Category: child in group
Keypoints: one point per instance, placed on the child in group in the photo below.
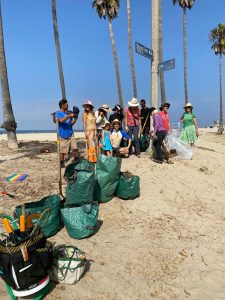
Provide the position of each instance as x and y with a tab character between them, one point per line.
105	140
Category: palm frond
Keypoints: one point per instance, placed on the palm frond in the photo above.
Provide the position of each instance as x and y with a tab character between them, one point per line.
184	3
217	37
106	8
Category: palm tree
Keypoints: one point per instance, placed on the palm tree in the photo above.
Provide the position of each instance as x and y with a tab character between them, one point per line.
184	4
109	9
57	45
9	123
131	50
161	75
217	37
155	48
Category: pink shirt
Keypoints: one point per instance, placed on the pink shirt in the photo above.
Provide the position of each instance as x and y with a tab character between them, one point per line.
165	120
133	120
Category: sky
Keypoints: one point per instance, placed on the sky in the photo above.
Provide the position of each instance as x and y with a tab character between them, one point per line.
88	62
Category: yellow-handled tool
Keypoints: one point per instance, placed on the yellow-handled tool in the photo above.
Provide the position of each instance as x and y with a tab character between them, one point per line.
22	227
9	230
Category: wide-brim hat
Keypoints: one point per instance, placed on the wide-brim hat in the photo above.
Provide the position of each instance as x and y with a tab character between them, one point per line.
107	123
164	105
188	105
133	102
116	121
87	103
117	106
105	107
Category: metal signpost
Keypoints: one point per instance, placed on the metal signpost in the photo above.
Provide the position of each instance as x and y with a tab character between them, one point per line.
166	65
142	50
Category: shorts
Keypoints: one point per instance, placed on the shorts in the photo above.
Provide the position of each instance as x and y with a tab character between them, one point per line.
67	144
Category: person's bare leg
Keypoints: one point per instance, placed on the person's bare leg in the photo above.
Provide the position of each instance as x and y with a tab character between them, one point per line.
75	154
109	153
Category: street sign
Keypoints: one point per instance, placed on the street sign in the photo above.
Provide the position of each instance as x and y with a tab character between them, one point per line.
142	50
166	65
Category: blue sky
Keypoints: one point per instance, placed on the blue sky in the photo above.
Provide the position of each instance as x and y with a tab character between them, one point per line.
88	62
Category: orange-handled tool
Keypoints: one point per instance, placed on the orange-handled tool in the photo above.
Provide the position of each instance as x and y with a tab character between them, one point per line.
9	230
22	227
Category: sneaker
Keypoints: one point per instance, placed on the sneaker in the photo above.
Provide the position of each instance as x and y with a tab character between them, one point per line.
157	161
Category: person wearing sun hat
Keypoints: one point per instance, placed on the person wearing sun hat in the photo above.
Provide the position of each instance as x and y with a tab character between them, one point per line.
165	116
132	122
90	131
158	135
118	114
101	118
189	134
117	137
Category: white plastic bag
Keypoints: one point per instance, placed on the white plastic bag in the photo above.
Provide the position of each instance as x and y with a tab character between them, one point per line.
184	151
69	264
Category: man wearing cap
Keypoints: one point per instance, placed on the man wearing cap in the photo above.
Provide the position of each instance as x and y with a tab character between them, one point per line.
66	120
117	136
101	118
117	115
145	117
165	116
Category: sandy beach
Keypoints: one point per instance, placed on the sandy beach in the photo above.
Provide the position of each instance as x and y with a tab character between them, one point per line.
167	244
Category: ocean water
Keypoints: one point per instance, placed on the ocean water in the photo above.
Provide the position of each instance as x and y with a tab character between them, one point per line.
37	131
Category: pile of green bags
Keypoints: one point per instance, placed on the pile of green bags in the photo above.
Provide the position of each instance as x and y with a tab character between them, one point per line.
144	142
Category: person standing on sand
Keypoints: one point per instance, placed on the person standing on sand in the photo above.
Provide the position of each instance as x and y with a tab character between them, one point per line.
158	134
106	139
145	117
132	122
67	140
90	130
101	118
189	134
165	116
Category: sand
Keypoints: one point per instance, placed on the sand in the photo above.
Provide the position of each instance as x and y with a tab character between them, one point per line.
167	244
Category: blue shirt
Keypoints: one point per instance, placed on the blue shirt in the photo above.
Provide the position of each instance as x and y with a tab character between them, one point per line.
65	128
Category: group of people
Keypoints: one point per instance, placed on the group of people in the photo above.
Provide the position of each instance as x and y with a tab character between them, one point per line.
119	133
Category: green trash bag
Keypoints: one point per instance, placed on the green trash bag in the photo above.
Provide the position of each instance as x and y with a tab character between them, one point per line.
54	223
80	187
128	187
107	177
80	222
144	142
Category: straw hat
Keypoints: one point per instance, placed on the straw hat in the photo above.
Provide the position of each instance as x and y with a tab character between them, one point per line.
116	121
188	105
88	103
105	107
107	123
133	102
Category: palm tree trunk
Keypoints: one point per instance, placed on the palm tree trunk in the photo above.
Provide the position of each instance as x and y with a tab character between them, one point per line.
116	63
161	75
155	48
131	50
221	129
58	53
9	123
185	55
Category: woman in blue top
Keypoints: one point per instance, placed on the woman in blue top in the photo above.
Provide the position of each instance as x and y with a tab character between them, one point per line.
189	133
106	139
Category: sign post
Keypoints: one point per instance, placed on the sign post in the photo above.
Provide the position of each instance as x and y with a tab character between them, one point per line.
166	65
144	51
